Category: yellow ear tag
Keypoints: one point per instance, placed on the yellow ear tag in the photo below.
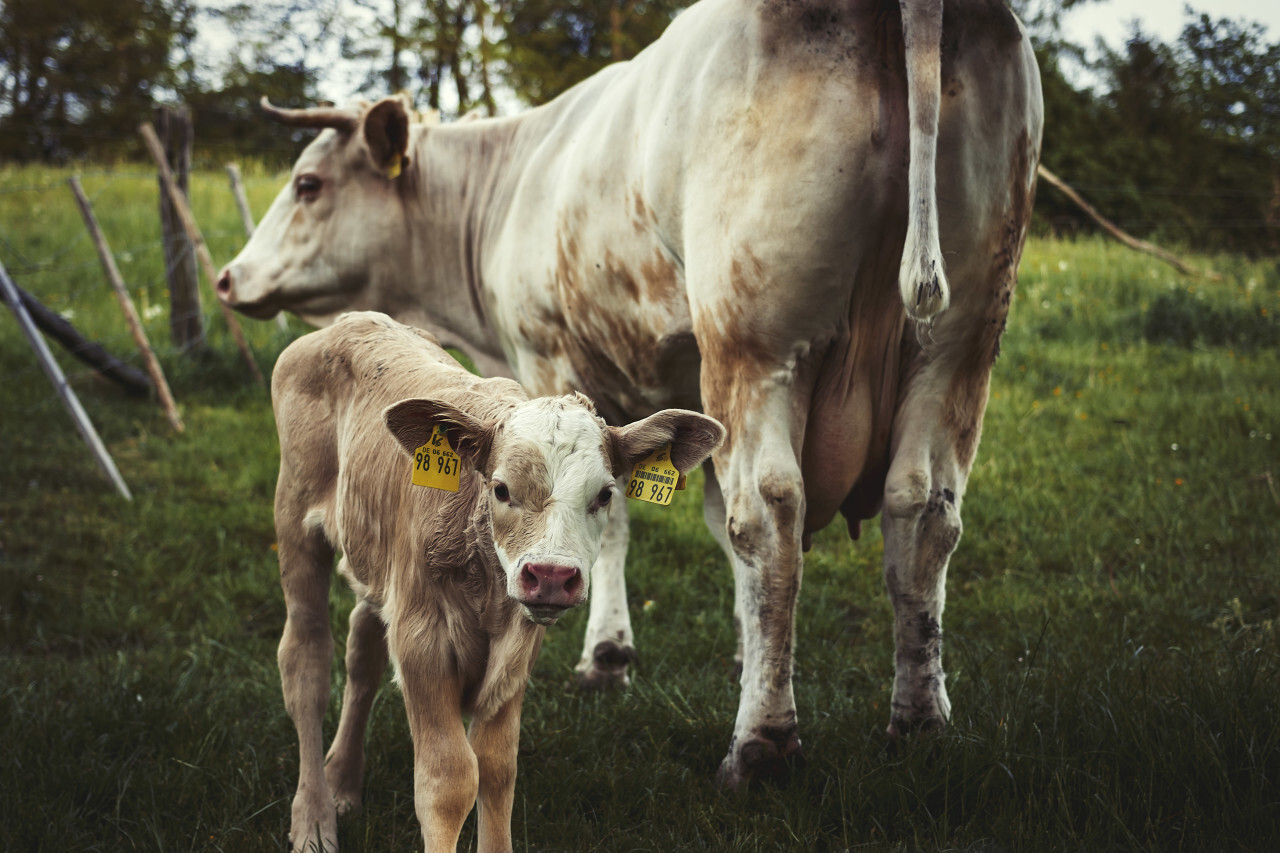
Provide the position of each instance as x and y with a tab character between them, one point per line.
393	168
654	478
435	465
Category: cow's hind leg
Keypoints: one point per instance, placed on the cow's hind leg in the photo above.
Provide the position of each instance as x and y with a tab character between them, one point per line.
936	433
763	510
607	647
306	649
366	662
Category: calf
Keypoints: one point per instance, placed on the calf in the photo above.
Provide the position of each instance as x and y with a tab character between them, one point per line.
454	581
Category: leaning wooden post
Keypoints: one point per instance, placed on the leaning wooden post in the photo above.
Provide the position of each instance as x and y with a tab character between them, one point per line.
246	216
197	240
126	305
59	380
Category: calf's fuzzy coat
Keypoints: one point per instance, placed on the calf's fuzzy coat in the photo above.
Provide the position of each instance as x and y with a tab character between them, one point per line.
454	587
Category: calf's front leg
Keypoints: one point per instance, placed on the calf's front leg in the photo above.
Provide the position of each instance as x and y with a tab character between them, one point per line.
445	772
496	742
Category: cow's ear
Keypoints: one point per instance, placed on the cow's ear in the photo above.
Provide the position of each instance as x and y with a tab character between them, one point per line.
412	422
386	132
693	437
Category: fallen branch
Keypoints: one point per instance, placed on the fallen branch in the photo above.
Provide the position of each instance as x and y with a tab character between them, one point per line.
1124	237
55	326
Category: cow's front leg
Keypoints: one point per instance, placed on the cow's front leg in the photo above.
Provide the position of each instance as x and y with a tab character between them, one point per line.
496	741
764	505
366	662
608	646
304	657
921	525
445	774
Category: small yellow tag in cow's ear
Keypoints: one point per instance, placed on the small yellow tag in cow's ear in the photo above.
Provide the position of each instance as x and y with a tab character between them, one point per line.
392	169
654	479
435	465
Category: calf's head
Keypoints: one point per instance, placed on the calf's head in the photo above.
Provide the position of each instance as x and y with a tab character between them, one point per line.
339	221
549	468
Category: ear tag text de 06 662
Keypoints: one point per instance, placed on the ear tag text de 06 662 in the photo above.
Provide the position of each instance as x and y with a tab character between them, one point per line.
435	465
654	479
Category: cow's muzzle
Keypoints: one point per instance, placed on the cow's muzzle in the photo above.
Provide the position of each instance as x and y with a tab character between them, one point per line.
547	590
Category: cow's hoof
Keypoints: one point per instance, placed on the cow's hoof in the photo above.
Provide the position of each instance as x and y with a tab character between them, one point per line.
772	757
608	667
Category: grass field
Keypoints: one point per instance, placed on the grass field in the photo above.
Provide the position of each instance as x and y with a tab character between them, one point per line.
1111	630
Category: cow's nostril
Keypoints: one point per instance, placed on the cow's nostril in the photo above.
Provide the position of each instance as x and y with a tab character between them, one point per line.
224	283
528	581
573	584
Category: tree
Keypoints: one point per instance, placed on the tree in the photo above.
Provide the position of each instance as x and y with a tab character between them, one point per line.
280	49
553	44
77	76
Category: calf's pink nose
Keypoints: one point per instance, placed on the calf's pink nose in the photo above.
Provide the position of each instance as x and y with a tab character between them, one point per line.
550	584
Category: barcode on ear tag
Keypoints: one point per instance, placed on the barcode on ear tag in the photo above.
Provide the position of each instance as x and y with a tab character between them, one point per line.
654	478
435	465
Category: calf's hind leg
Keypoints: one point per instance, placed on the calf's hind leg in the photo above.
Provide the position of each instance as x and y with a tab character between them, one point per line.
306	649
366	662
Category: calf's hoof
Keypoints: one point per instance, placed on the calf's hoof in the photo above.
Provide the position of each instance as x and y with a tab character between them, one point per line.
772	756
608	667
317	841
314	824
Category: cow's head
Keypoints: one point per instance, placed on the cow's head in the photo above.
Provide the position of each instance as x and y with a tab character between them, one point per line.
550	467
339	219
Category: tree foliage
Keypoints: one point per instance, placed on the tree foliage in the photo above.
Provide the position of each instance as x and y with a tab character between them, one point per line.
1175	141
1180	143
553	44
76	74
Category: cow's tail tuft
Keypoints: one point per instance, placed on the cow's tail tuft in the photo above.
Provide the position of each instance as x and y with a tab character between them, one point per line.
921	277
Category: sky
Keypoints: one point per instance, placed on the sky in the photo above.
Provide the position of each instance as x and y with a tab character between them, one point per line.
1112	19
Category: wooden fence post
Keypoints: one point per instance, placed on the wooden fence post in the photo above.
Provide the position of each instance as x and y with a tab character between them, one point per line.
126	306
202	251
186	317
59	380
246	216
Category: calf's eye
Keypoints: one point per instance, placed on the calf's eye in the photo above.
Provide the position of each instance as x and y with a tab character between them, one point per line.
501	492
605	495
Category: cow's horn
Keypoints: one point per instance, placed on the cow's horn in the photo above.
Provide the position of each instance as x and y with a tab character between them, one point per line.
315	117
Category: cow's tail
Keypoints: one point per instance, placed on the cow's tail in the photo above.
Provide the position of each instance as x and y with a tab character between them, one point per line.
921	278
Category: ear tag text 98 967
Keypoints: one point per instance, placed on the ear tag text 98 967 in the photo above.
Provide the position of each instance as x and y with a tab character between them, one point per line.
435	465
654	479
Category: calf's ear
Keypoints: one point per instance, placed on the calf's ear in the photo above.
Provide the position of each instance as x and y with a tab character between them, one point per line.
385	128
693	437
412	422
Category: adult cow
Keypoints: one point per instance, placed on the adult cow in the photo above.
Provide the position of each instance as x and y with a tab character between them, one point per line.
719	223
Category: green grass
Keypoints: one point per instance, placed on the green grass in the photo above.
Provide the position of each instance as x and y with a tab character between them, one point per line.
1111	628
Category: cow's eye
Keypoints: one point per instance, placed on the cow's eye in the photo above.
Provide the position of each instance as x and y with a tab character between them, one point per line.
606	494
307	187
502	493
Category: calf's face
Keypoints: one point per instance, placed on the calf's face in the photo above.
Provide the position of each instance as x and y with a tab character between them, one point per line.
550	469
